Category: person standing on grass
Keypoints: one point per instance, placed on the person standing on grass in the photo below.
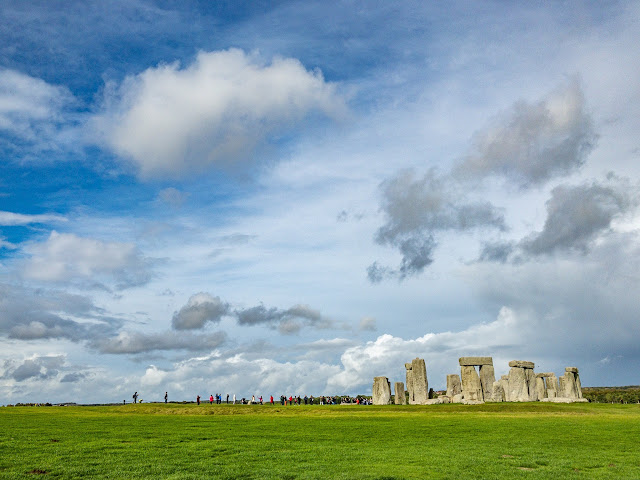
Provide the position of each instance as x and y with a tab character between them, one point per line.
198	399
227	399
166	396
210	399
135	397
271	399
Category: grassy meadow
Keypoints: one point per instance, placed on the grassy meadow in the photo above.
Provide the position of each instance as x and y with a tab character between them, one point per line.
528	440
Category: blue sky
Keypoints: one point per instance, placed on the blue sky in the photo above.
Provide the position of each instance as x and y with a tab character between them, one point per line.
294	197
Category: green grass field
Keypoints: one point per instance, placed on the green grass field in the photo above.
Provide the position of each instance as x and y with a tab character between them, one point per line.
531	440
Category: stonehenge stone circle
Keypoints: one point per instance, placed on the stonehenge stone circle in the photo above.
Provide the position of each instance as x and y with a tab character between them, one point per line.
399	397
473	386
381	391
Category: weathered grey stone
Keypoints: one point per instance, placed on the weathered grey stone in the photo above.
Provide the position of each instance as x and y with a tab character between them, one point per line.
531	384
545	375
381	391
551	382
498	392
541	388
420	385
578	385
518	390
521	364
399	397
504	383
473	361
409	383
570	384
471	387
457	398
437	401
561	386
453	385
487	377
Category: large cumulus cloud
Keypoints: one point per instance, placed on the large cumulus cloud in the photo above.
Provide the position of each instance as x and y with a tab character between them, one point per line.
217	110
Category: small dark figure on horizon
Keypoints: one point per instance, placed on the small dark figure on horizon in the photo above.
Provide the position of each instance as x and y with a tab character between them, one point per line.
227	399
166	396
198	399
135	397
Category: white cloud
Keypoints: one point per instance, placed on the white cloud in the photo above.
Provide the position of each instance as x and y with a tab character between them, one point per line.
65	257
28	105
10	219
217	110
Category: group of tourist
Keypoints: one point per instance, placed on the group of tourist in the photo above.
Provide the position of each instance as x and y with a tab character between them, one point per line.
284	400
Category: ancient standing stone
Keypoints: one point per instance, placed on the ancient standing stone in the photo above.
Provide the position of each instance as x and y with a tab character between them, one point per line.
571	383
531	384
453	385
498	392
561	386
381	391
541	389
504	383
551	382
471	387
487	378
409	384
420	382
518	390
400	398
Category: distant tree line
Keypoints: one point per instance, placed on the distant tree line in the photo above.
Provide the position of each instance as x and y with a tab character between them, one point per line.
629	394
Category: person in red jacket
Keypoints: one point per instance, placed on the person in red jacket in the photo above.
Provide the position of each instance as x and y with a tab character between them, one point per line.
271	399
211	399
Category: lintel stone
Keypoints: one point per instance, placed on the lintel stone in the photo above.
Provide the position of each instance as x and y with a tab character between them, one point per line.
474	361
521	364
571	369
545	374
